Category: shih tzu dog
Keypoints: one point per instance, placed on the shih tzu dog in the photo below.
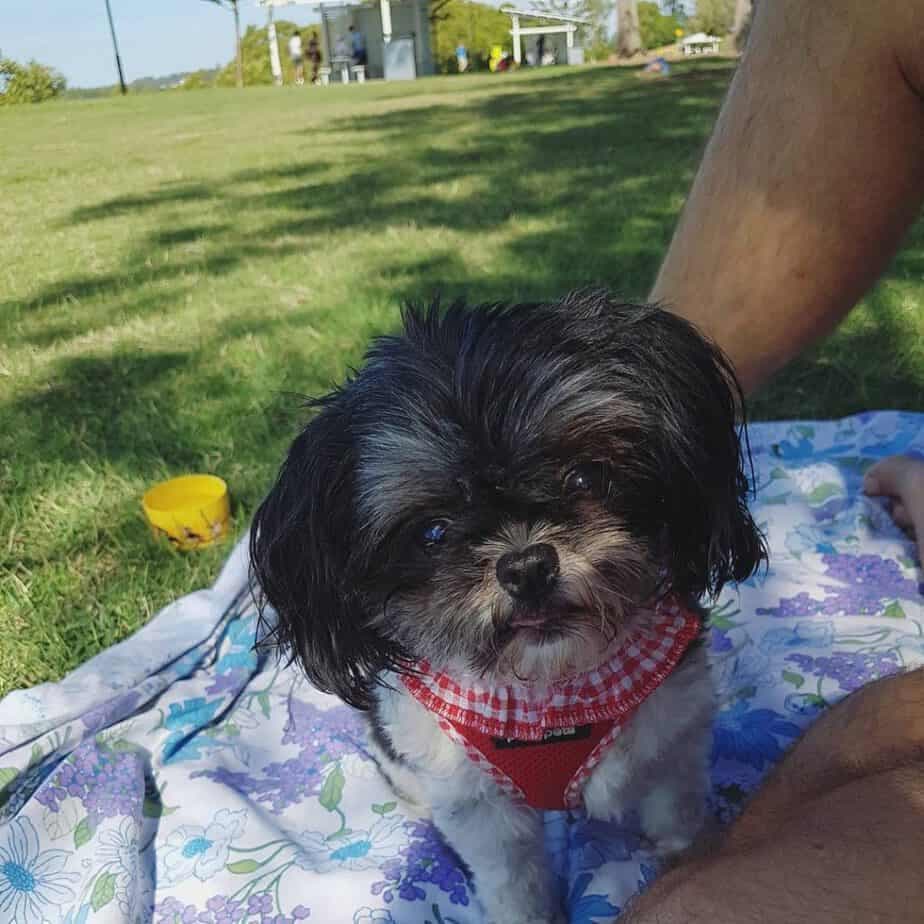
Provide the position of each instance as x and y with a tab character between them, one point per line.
494	538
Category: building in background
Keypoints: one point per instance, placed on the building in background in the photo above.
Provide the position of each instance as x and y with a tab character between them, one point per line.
396	34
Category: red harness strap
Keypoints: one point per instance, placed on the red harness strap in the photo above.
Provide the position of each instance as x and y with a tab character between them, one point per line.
541	743
540	770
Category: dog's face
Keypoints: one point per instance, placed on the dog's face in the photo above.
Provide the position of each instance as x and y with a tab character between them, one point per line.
499	489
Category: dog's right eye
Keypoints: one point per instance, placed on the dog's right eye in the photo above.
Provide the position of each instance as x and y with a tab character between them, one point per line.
434	533
588	478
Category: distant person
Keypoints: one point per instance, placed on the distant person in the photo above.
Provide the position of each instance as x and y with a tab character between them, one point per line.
656	68
296	54
462	57
314	56
358	46
540	50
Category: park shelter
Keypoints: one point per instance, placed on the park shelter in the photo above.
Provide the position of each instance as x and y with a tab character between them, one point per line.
396	33
700	44
558	28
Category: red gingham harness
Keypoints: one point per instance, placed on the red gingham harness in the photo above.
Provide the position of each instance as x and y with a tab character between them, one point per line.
540	743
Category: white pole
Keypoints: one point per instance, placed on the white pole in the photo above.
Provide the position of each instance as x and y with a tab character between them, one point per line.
517	53
571	29
275	65
385	7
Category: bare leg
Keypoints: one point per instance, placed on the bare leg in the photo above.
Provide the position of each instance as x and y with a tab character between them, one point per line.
836	835
814	171
902	479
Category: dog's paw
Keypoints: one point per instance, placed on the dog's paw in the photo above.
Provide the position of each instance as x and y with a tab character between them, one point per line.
672	820
670	845
534	906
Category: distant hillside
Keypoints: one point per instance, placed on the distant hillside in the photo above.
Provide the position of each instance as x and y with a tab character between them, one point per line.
170	81
144	84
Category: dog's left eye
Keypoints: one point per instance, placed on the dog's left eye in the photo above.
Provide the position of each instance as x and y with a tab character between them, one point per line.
434	532
586	479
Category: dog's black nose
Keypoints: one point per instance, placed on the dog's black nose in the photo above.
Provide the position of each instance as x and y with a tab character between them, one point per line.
530	574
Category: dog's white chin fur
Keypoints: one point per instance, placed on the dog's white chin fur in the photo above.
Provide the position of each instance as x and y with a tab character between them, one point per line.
657	766
531	657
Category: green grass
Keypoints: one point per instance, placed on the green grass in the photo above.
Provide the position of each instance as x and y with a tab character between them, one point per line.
176	267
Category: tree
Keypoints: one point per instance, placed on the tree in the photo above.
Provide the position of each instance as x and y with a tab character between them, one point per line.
598	12
742	16
742	20
197	80
439	10
28	83
255	54
743	31
476	25
232	5
714	17
655	28
628	37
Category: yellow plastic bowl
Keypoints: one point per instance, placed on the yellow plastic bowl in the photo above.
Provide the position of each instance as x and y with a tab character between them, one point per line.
191	511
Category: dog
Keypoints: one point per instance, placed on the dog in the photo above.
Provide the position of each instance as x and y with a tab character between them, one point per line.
494	538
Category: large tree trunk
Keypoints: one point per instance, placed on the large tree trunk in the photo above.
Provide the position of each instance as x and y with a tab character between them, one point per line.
237	43
742	11
629	40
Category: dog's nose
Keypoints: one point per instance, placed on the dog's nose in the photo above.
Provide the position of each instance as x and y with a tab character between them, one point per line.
530	574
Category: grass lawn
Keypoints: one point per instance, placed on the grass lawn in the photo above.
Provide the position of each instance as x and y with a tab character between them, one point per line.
178	267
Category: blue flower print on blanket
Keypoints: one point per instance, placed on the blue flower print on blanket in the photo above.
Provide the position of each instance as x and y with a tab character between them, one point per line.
181	778
354	850
194	850
321	736
107	783
757	737
34	883
861	585
119	852
424	860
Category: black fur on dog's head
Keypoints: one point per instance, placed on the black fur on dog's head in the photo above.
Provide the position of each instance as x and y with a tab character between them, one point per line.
595	441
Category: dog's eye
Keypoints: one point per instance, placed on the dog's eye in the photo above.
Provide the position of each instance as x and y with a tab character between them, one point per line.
434	532
585	479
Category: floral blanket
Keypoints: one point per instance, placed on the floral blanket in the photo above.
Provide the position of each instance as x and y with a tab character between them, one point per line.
179	777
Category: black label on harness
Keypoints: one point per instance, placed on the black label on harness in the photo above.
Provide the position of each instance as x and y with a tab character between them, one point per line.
551	736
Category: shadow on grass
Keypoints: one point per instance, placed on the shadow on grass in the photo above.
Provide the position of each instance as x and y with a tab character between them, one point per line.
594	165
167	194
573	179
100	401
136	415
870	363
587	175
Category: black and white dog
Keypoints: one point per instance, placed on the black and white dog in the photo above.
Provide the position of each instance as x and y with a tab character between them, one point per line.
493	538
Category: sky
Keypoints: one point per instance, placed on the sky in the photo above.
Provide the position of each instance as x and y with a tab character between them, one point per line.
156	37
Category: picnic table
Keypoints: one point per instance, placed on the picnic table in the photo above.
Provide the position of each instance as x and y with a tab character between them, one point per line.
342	63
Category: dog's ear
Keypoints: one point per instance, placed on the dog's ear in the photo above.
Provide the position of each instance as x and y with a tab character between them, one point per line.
705	458
302	555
